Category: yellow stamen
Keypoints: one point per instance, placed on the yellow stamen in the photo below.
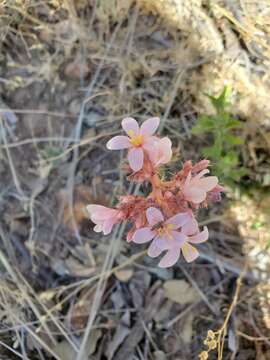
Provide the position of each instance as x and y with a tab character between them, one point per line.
131	133
166	230
169	227
135	140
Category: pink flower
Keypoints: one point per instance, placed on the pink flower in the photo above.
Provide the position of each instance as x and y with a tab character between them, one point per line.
201	165
215	194
161	151
195	188
139	139
161	231
103	217
190	235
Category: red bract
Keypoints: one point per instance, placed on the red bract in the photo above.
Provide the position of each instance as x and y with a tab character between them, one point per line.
165	217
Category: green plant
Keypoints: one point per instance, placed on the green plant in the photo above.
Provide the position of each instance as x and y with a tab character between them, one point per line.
49	156
224	152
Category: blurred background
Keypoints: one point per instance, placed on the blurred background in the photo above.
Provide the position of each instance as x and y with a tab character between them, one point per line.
70	71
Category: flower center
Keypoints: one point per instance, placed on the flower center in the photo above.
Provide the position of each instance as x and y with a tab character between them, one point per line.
135	140
166	230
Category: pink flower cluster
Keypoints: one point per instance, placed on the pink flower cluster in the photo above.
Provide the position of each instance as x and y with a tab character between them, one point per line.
166	217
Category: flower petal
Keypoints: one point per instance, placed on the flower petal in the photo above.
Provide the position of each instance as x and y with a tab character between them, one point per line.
153	250
135	159
154	216
107	226
131	126
95	208
208	183
149	126
98	228
130	235
165	150
118	143
100	212
199	238
158	150
170	258
179	239
143	235
191	227
201	165
187	182
150	147
190	253
178	220
201	174
162	243
195	195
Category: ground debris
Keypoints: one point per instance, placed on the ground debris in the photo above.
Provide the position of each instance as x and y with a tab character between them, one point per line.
141	59
180	291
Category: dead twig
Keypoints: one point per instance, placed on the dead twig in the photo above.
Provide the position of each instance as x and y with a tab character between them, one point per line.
216	339
11	164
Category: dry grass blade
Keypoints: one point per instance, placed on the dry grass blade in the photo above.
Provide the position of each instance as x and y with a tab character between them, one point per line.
110	256
78	129
21	282
11	164
200	292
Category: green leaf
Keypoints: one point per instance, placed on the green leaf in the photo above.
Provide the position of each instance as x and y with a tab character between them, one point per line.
258	224
205	123
218	143
211	152
223	165
233	123
224	153
233	140
230	159
198	129
221	101
237	174
222	118
242	171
